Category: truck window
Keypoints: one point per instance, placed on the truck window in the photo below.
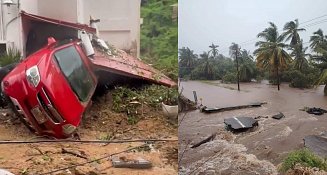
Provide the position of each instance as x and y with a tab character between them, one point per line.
78	76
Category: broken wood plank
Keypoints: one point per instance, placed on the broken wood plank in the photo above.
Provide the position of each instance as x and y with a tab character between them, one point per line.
64	151
208	139
205	109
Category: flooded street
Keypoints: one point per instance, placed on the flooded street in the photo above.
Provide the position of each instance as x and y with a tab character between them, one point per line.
270	141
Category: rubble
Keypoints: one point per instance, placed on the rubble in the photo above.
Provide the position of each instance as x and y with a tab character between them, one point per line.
317	144
278	116
240	123
123	162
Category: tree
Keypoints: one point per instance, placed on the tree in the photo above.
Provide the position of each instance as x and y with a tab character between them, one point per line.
206	66
247	66
213	50
318	41
271	54
234	50
187	60
186	57
291	32
299	54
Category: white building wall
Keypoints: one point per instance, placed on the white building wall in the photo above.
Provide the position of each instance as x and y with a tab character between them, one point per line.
119	19
119	22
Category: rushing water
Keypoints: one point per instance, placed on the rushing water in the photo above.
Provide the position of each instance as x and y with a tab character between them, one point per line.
272	139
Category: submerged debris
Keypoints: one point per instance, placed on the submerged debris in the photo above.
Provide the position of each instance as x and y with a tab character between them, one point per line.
316	144
278	116
208	139
212	110
315	111
240	123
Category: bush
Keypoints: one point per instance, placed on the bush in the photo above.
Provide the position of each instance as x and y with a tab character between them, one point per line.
230	77
12	56
303	157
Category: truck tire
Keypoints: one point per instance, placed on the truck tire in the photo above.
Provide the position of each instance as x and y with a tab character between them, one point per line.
3	72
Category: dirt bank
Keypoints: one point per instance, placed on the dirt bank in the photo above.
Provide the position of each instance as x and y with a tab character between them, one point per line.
100	123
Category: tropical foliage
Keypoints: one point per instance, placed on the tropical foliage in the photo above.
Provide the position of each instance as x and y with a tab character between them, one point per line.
159	35
271	54
279	57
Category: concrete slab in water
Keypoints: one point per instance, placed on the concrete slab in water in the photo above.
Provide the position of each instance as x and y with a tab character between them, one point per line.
317	144
237	123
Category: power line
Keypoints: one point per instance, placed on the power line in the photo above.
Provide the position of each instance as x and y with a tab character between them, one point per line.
252	41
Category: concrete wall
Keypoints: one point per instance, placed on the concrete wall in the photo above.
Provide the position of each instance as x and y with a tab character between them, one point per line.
58	9
119	22
119	25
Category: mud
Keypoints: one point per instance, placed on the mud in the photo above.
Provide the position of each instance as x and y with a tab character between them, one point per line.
269	142
100	123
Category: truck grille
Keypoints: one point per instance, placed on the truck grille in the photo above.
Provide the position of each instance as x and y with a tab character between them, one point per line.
50	110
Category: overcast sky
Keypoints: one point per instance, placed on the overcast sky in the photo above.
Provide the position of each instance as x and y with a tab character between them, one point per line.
202	22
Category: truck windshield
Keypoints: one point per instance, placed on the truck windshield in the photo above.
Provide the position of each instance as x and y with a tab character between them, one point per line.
78	76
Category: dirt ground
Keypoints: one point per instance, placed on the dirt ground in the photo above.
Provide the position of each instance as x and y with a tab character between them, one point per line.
100	123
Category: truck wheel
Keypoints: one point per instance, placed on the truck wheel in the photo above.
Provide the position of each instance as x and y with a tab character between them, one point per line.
3	72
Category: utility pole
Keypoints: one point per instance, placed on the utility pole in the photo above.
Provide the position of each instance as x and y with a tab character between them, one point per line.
238	72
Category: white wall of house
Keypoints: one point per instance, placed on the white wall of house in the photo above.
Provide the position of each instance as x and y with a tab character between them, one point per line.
119	19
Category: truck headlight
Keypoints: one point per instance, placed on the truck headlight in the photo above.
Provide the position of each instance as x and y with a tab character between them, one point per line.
33	76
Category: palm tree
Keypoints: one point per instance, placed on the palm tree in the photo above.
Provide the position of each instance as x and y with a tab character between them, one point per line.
186	57
319	45
320	61
318	41
206	66
299	54
213	50
247	66
271	54
291	32
234	50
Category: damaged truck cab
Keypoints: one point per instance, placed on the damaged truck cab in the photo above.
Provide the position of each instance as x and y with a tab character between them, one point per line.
51	89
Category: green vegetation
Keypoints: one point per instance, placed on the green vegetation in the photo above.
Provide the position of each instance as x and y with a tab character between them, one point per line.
159	35
303	157
12	56
133	101
279	57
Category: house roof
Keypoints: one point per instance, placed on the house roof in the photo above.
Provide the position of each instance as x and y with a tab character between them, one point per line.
85	27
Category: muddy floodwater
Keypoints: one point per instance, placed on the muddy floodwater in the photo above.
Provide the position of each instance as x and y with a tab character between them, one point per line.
261	148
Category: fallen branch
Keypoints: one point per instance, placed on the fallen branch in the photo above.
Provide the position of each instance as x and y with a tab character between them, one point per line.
64	151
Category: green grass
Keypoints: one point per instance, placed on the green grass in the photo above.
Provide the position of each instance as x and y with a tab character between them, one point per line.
305	158
12	56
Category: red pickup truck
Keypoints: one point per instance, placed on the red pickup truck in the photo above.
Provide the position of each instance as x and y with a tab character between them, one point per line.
51	88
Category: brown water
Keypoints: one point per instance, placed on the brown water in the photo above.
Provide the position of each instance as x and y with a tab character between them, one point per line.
271	141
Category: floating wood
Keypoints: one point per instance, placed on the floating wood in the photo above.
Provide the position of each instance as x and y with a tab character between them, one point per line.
208	139
212	110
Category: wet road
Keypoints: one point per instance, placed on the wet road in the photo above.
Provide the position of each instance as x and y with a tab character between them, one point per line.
273	138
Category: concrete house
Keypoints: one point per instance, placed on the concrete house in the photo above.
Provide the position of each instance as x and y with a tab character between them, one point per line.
119	20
